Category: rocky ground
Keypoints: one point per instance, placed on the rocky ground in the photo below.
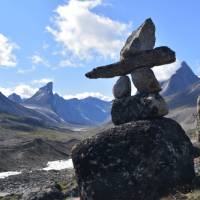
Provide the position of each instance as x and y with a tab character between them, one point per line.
28	149
15	186
19	184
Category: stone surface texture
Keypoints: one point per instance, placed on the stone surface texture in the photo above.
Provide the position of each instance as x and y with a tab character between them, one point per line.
149	58
122	87
52	192
145	81
141	39
135	161
138	107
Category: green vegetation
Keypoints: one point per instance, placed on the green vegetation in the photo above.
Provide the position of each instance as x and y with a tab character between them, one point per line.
51	134
11	197
67	186
11	132
20	127
192	195
195	194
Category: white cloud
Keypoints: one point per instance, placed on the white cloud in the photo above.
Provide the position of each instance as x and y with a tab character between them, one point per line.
68	63
45	46
7	58
164	72
6	91
25	91
26	71
38	60
88	94
83	32
42	81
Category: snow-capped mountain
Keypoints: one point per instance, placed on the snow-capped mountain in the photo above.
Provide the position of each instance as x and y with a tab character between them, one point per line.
89	111
180	91
12	108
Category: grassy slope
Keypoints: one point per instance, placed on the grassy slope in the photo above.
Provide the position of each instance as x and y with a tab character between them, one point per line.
12	127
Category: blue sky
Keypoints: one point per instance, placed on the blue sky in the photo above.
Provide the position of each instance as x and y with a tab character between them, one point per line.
43	40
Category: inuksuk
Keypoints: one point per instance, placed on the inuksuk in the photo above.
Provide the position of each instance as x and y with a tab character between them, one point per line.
137	58
145	154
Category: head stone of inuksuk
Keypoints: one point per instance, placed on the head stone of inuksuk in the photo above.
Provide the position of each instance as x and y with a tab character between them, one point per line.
137	57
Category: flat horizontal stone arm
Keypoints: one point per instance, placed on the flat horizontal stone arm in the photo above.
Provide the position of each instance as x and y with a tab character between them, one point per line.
155	57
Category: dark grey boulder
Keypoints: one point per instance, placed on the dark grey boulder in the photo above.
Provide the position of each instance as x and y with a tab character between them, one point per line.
148	58
122	87
135	161
140	106
50	192
145	80
141	39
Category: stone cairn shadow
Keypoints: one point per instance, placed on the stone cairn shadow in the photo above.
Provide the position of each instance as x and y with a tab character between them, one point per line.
144	155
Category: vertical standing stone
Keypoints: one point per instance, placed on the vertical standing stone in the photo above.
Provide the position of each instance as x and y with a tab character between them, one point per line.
145	81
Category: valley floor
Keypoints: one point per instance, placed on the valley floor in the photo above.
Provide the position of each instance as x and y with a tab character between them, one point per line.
28	149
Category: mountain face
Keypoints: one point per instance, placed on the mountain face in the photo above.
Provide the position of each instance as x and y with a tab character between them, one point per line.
12	108
181	92
185	98
43	97
182	89
89	111
183	78
15	98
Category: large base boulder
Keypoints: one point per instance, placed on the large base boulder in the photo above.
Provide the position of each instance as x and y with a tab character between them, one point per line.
140	106
135	161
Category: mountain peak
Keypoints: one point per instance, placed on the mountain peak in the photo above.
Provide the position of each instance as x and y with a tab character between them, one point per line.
15	97
47	88
183	78
43	97
184	68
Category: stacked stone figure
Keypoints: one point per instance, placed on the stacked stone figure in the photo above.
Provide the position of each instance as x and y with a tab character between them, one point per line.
145	158
137	58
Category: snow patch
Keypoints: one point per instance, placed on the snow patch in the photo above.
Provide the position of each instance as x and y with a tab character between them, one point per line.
4	194
7	174
59	165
